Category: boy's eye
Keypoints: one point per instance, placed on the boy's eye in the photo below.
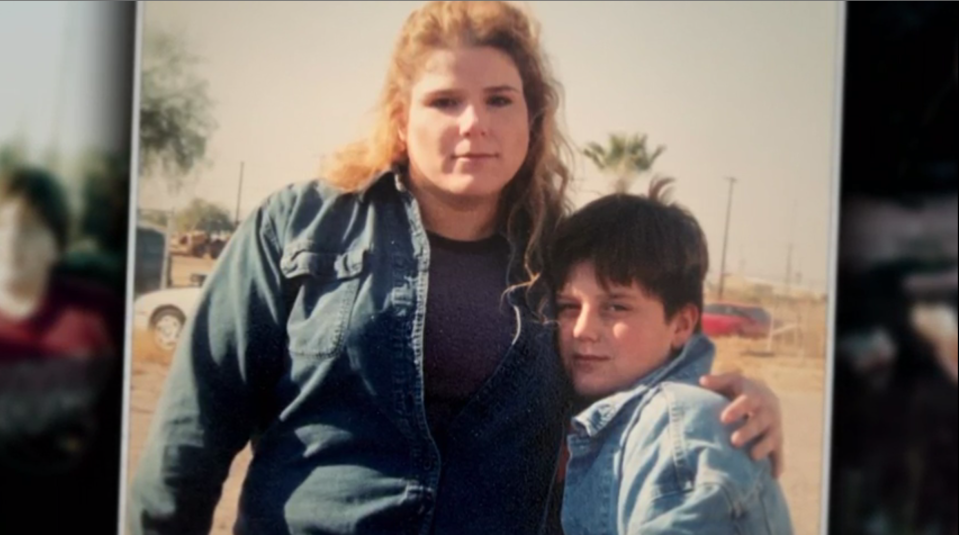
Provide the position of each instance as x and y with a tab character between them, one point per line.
615	307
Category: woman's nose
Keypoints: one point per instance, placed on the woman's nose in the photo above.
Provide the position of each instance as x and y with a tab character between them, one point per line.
472	121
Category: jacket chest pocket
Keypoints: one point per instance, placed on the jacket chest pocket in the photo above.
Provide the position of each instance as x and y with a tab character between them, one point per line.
322	290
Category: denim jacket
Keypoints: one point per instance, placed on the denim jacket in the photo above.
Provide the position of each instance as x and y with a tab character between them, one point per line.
656	459
308	343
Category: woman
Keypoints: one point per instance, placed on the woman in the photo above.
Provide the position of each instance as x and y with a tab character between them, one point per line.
370	333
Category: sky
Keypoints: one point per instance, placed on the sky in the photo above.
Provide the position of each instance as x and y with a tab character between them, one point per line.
62	56
732	89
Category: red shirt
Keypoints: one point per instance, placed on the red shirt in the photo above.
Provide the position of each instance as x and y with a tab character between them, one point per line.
73	321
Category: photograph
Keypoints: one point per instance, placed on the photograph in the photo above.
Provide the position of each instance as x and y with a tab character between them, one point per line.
66	103
645	188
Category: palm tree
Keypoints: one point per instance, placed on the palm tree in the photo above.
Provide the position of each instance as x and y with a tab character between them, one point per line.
625	158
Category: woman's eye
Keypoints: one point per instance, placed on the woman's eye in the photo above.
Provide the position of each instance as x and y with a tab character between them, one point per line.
444	103
500	101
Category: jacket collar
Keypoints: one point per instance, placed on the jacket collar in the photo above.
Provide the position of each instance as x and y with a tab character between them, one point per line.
393	175
397	176
694	361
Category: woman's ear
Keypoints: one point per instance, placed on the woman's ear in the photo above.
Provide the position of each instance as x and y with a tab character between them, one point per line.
684	325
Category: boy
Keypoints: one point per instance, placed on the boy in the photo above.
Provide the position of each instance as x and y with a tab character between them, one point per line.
648	455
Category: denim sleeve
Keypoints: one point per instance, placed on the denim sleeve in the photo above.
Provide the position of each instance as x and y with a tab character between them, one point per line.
208	410
703	510
682	474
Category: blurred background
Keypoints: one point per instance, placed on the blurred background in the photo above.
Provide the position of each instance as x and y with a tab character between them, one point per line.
65	115
894	462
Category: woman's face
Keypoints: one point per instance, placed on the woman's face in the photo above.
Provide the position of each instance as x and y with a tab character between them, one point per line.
28	248
467	129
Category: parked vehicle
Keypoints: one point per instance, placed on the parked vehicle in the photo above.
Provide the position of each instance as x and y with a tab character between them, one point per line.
735	319
199	244
164	313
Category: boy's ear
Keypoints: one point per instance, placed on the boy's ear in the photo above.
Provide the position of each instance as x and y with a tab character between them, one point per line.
684	325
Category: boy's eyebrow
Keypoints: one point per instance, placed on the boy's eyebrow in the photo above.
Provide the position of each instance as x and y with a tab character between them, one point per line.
619	294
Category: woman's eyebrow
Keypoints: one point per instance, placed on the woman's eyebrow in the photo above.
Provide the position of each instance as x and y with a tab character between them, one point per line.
503	88
442	91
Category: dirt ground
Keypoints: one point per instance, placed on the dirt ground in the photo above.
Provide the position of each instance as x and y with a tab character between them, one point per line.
797	380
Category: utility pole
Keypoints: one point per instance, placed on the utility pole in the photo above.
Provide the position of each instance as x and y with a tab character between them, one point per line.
789	269
173	189
789	252
239	195
729	209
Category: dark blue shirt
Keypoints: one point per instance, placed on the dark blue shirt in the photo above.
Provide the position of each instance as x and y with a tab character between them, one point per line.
469	326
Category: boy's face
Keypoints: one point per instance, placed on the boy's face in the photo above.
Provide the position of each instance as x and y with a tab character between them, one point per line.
612	337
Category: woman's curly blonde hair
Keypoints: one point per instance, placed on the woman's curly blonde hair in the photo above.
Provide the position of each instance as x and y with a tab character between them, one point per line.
535	200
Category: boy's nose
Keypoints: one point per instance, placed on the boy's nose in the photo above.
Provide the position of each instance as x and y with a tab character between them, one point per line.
586	327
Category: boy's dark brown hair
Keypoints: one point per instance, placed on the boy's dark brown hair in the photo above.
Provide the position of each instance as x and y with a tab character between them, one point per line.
632	238
41	191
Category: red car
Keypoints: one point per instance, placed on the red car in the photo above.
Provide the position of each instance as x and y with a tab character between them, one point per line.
733	319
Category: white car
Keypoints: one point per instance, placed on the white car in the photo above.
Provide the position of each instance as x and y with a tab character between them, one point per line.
163	313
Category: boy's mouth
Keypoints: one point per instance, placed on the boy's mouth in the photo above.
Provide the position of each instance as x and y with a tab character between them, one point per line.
589	359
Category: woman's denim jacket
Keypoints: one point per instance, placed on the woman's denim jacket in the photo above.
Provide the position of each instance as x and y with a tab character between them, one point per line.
308	341
656	459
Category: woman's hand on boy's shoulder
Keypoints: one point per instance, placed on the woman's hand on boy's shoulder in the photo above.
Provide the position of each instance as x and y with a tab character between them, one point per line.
755	404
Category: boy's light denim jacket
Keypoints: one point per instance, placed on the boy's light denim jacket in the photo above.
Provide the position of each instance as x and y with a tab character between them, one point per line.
656	459
327	382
